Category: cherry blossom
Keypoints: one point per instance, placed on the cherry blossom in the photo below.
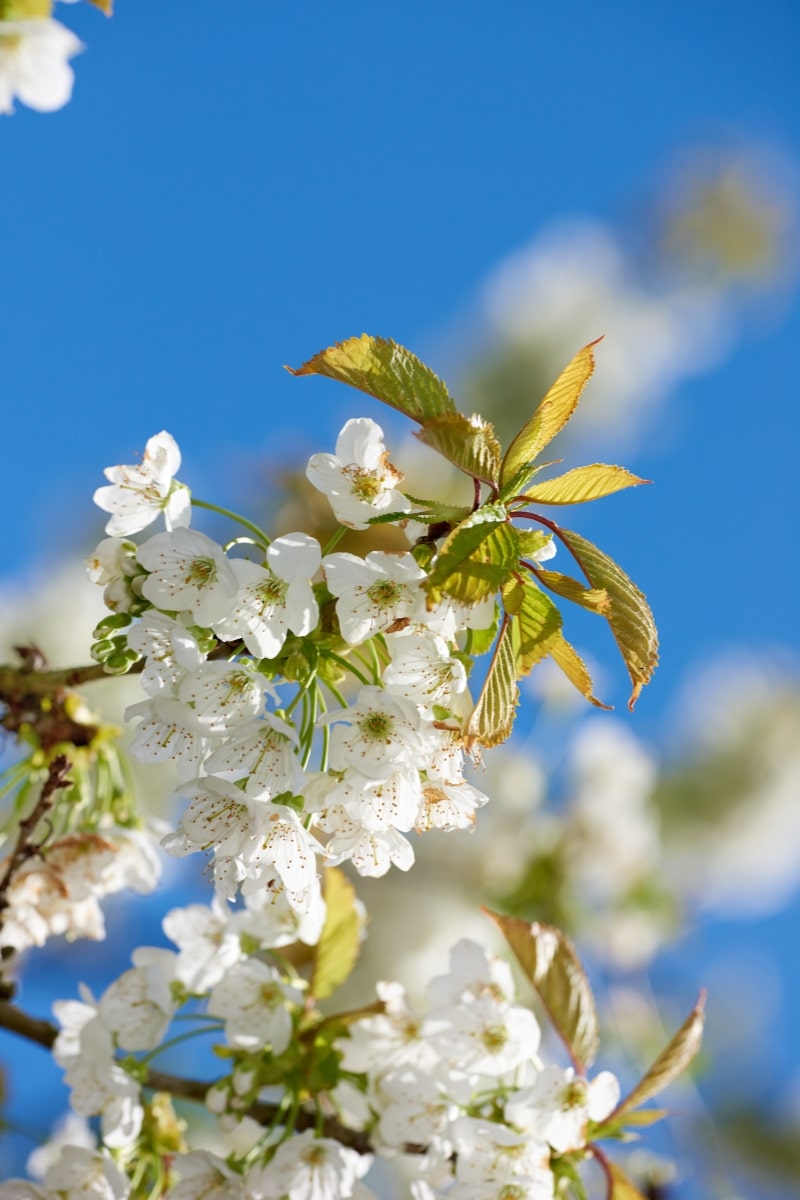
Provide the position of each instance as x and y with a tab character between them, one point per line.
358	479
137	495
34	64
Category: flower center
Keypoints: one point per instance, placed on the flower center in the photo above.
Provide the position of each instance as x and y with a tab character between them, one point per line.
495	1038
574	1094
272	591
385	593
201	572
365	485
376	727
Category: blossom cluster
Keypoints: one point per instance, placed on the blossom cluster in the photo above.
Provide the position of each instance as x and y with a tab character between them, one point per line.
458	1094
243	656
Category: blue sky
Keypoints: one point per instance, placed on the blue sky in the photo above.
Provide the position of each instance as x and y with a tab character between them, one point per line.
234	187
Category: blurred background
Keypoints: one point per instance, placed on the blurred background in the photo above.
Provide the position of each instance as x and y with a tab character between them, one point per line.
234	188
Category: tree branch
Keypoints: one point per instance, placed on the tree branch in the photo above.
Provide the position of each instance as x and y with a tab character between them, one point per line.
26	848
44	1034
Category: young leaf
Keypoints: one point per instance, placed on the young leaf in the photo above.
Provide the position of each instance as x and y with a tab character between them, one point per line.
339	942
468	442
493	716
385	370
567	658
671	1062
619	1185
548	958
582	484
629	616
595	600
476	558
105	6
551	416
535	623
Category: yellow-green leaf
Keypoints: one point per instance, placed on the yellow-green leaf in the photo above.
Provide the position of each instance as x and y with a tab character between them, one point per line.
105	6
629	615
671	1062
594	599
385	370
493	716
25	10
476	558
551	416
619	1185
548	959
468	442
567	658
535	623
582	484
340	940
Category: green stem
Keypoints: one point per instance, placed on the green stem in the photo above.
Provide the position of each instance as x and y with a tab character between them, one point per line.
181	1037
334	541
263	540
346	665
301	691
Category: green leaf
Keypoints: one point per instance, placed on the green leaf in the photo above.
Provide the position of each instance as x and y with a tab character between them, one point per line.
584	483
468	442
385	370
535	623
548	958
671	1063
340	940
551	416
567	658
476	558
596	600
479	641
532	540
492	718
629	616
619	1185
392	374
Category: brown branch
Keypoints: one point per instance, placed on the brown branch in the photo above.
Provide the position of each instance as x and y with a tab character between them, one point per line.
25	847
44	1034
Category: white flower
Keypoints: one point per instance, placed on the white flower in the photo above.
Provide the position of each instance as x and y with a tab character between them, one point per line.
224	695
274	916
392	1040
372	852
306	1167
169	729
559	1105
34	57
423	670
70	1130
138	494
449	806
473	973
207	943
205	1176
138	1006
380	804
484	1037
262	752
490	1153
255	1005
113	565
358	479
280	841
170	649
83	1174
275	598
374	593
218	816
385	733
188	572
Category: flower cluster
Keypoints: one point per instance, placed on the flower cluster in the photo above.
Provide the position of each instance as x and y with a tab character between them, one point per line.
243	657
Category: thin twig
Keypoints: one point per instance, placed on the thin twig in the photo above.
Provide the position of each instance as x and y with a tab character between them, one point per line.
26	848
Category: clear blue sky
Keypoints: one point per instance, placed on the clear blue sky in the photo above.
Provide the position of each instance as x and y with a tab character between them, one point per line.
236	186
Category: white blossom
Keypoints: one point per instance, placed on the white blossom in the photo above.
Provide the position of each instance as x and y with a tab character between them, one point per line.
138	494
138	1006
188	573
358	479
306	1167
34	64
255	1005
274	598
263	753
224	695
375	593
559	1105
384	733
208	944
169	648
169	730
205	1176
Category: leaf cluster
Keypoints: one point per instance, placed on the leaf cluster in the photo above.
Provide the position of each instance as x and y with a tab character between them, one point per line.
484	552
